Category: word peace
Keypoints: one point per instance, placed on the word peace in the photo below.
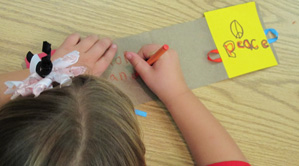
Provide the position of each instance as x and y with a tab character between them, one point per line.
229	46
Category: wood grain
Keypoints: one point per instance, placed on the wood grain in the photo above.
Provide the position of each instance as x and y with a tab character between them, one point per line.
260	110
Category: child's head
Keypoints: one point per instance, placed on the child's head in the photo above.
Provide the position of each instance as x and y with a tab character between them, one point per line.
90	122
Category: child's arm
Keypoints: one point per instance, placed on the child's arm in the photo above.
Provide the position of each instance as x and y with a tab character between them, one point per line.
11	76
207	139
95	55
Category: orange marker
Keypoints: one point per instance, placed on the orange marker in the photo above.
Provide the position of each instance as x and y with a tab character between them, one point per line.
158	54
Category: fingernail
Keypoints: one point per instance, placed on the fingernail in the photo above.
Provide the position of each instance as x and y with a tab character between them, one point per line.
113	46
128	55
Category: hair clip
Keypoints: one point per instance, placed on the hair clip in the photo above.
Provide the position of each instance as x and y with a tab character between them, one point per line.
44	73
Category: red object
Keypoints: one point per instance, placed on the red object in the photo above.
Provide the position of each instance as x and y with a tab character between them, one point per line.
155	57
231	163
165	47
214	60
158	54
40	56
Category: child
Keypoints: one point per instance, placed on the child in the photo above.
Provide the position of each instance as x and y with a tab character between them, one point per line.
91	122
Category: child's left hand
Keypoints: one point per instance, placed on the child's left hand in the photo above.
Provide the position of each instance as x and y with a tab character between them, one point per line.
95	54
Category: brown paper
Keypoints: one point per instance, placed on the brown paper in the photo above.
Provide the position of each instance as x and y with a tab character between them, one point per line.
192	41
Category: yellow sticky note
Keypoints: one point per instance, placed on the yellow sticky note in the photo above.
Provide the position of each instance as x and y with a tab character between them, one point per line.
240	39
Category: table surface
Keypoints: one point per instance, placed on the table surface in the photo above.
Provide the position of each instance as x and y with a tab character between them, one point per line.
260	110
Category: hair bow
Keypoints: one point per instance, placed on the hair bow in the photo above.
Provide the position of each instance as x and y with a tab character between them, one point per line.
43	73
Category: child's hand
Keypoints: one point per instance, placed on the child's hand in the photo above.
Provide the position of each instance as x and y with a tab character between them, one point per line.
164	77
95	54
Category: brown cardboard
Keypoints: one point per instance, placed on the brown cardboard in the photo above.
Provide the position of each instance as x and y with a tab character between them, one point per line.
192	41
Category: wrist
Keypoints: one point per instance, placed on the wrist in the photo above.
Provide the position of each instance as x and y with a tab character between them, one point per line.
173	99
11	76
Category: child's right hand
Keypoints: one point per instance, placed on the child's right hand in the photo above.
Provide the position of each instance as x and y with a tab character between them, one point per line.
166	80
164	77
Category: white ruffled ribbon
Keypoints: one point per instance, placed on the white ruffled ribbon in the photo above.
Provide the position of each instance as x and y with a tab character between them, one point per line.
34	84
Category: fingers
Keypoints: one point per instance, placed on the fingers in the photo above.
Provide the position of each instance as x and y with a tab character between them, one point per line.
85	44
102	64
146	51
99	48
138	63
71	40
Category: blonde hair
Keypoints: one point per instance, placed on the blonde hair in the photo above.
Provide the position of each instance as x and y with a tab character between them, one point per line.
89	123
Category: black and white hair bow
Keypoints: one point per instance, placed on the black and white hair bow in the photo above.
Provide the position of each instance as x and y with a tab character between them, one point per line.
44	73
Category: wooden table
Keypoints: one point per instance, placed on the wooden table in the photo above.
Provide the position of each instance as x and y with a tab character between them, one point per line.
260	110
